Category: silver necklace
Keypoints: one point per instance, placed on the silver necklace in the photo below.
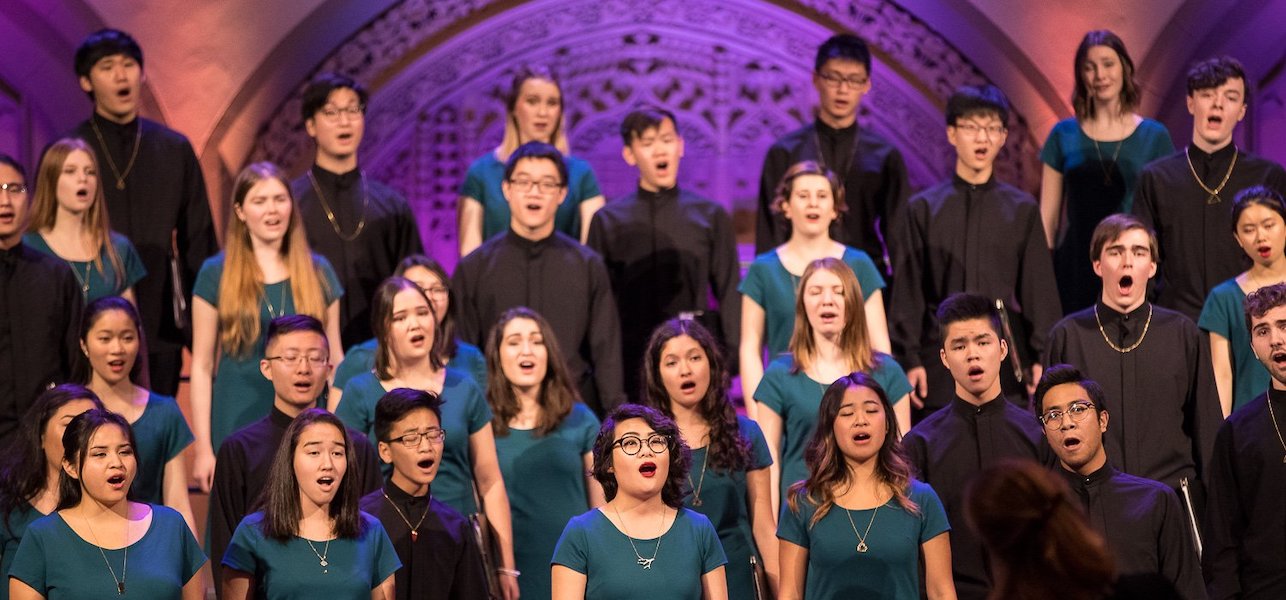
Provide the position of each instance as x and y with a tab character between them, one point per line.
120	583
646	563
321	556
272	310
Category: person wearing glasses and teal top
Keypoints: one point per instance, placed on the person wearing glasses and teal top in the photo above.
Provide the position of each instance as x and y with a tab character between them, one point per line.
643	543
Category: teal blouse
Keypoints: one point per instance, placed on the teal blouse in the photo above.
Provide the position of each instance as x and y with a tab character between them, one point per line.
482	183
161	433
1224	314
361	359
97	283
11	532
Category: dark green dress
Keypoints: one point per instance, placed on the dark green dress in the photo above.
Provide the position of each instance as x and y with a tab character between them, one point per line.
361	359
161	433
94	283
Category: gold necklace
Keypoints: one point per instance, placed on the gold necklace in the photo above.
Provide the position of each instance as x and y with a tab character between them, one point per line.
1214	194
1272	415
334	223
646	563
861	537
120	583
1107	173
415	534
321	556
272	311
138	141
696	490
1109	340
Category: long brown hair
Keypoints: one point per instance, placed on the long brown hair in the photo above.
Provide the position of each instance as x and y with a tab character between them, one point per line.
241	287
444	335
854	343
22	463
44	207
827	468
513	138
279	501
557	394
1082	103
382	321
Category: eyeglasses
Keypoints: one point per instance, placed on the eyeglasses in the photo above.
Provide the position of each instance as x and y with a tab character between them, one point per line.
1078	410
973	129
15	189
315	360
632	444
835	80
435	435
353	111
437	290
546	186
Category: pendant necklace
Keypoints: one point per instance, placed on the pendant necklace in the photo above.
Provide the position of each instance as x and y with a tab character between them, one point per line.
119	175
272	310
1131	347
1272	415
861	537
321	556
1214	194
415	533
1107	172
696	490
120	583
83	281
330	215
646	563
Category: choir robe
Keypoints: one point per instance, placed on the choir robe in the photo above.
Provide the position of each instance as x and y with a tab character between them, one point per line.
567	284
1145	526
1244	552
1161	396
668	253
875	186
1197	249
164	199
241	474
443	562
388	235
949	447
983	239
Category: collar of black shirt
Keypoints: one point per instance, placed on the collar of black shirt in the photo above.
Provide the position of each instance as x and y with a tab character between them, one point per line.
827	131
962	185
1115	323
1221	156
1276	396
279	419
10	256
336	181
112	128
1076	480
659	196
967	409
403	499
529	246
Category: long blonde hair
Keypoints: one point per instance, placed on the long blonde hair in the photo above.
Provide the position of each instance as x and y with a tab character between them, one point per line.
44	209
513	138
854	344
241	287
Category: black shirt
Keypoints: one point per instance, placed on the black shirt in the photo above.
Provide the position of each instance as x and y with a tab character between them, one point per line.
443	561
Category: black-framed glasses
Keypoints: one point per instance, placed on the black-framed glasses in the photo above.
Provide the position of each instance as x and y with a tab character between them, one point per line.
435	435
545	186
835	80
1078	410
13	188
332	113
316	360
632	444
973	129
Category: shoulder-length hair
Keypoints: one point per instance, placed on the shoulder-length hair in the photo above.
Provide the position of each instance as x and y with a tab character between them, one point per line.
76	440
44	207
729	451
280	499
382	326
82	371
854	343
22	464
241	287
808	167
557	394
827	468
676	483
445	333
1082	102
513	138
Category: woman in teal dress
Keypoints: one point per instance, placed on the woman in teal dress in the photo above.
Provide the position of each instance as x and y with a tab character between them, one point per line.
686	379
533	113
829	342
643	543
860	526
408	356
811	198
69	221
544	439
99	544
265	271
1259	224
31	464
310	539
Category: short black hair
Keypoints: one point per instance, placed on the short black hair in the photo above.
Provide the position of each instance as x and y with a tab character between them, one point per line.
973	100
102	44
397	403
844	46
290	324
642	119
965	307
5	159
319	90
1060	374
538	150
1213	72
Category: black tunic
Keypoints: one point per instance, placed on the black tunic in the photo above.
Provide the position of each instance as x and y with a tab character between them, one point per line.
388	235
443	563
241	474
164	197
874	182
948	447
666	253
563	281
1160	396
40	306
1244	552
1197	248
984	239
1145	525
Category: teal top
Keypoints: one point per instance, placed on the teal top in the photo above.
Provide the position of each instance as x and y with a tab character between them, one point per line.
11	533
291	571
1225	315
241	394
1070	152
545	479
56	562
464	413
482	183
97	283
773	288
725	501
361	359
593	546
889	569
161	433
796	398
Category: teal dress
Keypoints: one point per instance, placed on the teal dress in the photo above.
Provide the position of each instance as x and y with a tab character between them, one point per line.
592	546
1224	314
11	532
94	283
361	359
889	569
725	502
464	413
59	564
545	479
482	183
241	394
161	433
773	288
796	398
291	571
